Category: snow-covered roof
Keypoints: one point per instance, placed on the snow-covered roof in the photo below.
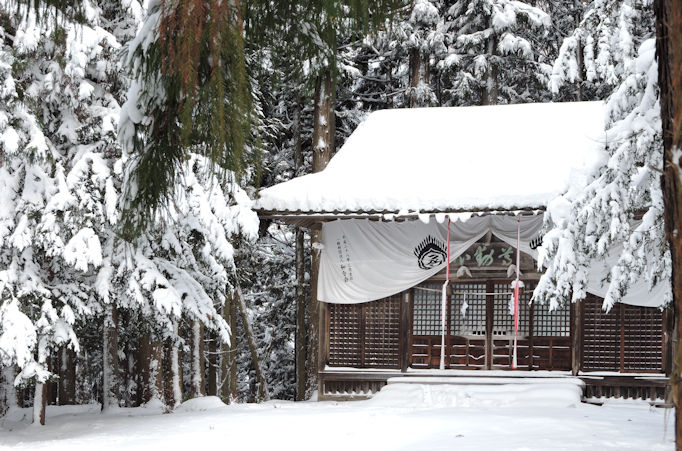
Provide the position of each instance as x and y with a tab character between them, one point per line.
502	157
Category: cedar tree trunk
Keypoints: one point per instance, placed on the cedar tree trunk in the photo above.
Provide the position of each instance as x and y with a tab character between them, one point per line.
323	145
669	52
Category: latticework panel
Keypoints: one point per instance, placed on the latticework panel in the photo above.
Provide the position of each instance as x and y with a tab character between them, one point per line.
427	310
469	320
642	338
365	335
503	318
345	339
601	336
382	332
546	323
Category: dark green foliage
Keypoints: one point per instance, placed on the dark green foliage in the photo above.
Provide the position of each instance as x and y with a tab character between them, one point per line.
195	97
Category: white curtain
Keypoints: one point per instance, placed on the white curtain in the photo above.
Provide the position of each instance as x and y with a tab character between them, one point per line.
364	260
638	293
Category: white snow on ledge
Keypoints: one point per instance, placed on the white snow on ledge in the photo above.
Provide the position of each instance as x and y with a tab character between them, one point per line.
453	159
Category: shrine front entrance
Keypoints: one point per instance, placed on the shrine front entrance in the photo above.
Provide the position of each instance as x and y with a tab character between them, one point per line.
480	328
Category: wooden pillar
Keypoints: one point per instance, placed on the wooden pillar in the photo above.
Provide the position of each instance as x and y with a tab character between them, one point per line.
405	331
576	337
489	312
323	343
531	332
314	314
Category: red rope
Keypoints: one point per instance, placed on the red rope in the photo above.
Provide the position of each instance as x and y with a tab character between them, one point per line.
447	271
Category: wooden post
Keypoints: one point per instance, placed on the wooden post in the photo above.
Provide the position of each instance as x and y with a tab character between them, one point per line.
405	331
489	315
323	349
531	332
576	334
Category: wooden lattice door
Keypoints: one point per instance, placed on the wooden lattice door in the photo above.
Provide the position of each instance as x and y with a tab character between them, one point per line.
480	329
466	338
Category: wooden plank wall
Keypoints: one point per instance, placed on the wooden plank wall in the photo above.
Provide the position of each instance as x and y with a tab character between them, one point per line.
377	334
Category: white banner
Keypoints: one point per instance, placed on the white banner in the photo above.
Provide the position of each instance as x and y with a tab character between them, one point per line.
363	260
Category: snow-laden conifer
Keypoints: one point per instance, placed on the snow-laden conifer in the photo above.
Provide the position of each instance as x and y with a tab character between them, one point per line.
600	220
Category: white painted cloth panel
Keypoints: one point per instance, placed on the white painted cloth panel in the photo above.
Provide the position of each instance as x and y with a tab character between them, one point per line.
364	260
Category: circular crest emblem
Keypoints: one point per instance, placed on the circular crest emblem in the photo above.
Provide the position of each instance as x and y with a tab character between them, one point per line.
430	253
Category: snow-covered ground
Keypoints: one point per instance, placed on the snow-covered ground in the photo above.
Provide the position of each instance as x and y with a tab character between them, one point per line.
402	416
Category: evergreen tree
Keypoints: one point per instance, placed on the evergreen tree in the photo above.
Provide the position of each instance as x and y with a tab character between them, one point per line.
493	51
588	223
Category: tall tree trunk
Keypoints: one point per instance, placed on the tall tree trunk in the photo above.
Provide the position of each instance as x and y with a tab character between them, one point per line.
9	390
198	362
301	341
419	74
227	351
144	357
232	356
110	387
323	145
263	394
172	373
39	404
67	377
577	18
490	89
155	382
212	385
669	52
53	367
323	121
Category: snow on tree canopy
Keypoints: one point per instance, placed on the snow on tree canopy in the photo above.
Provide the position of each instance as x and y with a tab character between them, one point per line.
449	159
